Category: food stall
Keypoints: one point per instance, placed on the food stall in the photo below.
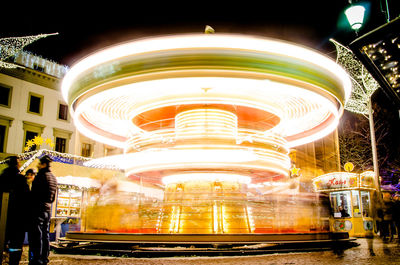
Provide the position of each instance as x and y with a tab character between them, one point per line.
68	206
74	182
351	201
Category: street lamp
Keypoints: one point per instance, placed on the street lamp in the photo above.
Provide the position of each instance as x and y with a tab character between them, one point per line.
355	16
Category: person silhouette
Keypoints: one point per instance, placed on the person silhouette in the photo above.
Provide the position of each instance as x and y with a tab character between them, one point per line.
18	208
44	188
343	212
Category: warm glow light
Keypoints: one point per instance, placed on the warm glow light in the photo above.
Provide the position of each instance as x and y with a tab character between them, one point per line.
81	182
207	116
299	109
185	159
205	177
128	186
215	217
166	157
206	122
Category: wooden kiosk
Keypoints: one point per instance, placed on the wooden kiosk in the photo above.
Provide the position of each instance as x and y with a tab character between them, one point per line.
351	196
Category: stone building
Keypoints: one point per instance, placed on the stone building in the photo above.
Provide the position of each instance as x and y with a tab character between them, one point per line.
31	105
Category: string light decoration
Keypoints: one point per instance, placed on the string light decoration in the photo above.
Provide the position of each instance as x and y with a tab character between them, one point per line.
11	46
29	157
364	85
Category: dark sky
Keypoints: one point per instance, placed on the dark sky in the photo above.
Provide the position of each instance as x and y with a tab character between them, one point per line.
85	29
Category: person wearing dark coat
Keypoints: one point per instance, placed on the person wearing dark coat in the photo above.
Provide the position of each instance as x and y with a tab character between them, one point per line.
396	213
43	193
18	215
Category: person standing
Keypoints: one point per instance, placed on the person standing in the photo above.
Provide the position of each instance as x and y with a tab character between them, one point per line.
396	214
17	218
30	176
43	193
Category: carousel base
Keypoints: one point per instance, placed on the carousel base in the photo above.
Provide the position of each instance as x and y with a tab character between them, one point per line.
170	245
202	238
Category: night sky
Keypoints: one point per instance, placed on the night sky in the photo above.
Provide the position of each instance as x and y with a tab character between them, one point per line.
85	29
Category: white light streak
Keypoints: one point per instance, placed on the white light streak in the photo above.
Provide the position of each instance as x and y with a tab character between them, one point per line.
239	42
205	177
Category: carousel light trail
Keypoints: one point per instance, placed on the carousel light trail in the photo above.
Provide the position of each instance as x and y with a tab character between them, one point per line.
205	112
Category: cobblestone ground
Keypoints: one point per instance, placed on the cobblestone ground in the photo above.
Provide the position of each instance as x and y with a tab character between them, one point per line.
369	251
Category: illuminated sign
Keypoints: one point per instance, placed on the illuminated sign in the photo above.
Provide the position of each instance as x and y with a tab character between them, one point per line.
344	180
337	180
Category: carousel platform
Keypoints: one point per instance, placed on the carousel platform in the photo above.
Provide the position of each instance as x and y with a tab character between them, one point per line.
202	238
170	245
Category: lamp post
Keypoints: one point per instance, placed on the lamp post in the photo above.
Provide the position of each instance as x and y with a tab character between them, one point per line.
373	146
355	16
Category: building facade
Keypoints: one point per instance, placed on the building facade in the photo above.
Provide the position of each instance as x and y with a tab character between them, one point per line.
31	105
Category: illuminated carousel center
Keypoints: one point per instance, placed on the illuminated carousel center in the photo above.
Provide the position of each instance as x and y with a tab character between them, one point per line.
205	115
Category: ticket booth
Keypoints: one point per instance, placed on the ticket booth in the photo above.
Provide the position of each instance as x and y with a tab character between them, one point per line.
350	196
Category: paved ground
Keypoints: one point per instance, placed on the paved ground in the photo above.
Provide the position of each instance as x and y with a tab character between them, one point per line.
369	251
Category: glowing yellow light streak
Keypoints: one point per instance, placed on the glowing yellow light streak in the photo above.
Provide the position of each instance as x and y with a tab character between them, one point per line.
177	218
250	218
215	218
173	217
224	217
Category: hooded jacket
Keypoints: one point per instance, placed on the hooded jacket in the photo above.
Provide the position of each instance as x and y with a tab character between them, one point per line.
43	192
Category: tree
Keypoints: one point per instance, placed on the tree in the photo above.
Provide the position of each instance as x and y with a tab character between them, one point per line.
355	142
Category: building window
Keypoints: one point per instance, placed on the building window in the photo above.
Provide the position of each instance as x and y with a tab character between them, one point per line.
5	123
62	138
63	112
30	136
86	149
5	92
35	103
31	130
2	138
61	143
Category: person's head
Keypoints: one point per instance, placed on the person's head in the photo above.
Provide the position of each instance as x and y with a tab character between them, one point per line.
44	162
12	161
30	175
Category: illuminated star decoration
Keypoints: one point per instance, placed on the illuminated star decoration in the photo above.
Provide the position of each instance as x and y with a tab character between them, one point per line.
49	142
294	171
364	85
11	46
38	141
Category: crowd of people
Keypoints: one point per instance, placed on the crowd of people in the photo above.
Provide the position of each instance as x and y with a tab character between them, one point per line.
388	216
29	206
